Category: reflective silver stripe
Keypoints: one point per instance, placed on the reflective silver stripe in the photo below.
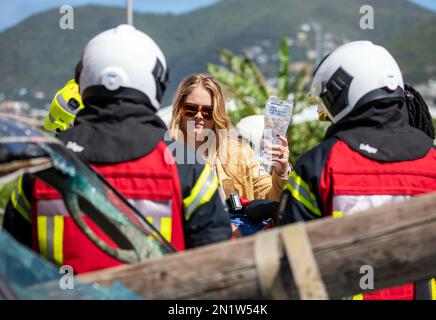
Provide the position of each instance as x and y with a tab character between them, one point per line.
148	208
56	207
52	119
304	193
154	209
50	238
64	104
203	191
21	202
51	208
350	204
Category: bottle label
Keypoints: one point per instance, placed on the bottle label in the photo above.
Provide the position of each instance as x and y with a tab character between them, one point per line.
276	108
277	118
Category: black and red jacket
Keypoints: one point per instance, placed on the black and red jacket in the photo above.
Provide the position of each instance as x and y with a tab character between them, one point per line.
124	142
372	157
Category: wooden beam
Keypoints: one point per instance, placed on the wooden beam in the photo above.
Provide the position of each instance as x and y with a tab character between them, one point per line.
398	241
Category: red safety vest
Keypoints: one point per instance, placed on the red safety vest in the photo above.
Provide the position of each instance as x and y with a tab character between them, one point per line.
351	183
150	183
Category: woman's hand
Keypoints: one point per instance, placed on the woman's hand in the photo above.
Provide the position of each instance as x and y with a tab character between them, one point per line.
280	157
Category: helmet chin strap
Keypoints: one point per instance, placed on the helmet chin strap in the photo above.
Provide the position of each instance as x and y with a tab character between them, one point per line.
323	116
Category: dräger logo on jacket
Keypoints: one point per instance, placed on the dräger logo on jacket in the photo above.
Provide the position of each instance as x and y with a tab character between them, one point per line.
74	147
367	148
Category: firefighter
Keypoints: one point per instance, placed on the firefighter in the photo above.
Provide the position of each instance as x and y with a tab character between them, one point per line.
122	81
370	155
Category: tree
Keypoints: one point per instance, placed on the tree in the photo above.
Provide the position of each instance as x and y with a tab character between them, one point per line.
240	76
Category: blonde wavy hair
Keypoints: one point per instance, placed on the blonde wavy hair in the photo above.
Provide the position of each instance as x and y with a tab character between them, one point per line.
221	120
226	146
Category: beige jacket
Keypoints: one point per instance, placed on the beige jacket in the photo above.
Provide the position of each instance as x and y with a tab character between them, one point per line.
249	183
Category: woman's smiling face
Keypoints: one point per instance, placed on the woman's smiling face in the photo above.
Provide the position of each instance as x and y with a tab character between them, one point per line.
200	98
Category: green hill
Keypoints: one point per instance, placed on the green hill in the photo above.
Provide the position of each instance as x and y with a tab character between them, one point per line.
38	55
416	49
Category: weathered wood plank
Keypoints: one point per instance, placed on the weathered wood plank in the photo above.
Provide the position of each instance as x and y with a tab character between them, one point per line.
397	240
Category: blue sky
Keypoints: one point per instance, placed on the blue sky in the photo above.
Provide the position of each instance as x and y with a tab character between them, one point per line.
14	11
430	4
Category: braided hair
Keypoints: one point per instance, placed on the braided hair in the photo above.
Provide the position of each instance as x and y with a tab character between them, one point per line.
419	114
77	71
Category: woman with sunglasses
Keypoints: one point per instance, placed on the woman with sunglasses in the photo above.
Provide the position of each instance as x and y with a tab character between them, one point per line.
199	119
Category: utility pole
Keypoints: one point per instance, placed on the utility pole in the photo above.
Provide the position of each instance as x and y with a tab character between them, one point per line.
318	35
319	48
129	12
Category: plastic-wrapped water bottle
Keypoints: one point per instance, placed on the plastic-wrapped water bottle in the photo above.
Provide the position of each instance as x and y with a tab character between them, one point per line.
277	118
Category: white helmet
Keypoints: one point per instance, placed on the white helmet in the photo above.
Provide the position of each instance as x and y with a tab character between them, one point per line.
355	74
125	63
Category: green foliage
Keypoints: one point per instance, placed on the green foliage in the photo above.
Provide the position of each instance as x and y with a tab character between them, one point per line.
283	78
242	78
434	126
304	136
418	64
245	82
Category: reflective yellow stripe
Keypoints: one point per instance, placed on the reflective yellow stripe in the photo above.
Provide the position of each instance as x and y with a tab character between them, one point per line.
203	191
42	235
302	199
207	192
150	219
58	240
165	228
21	193
433	288
210	192
198	185
338	214
19	208
300	190
20	202
299	181
358	297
